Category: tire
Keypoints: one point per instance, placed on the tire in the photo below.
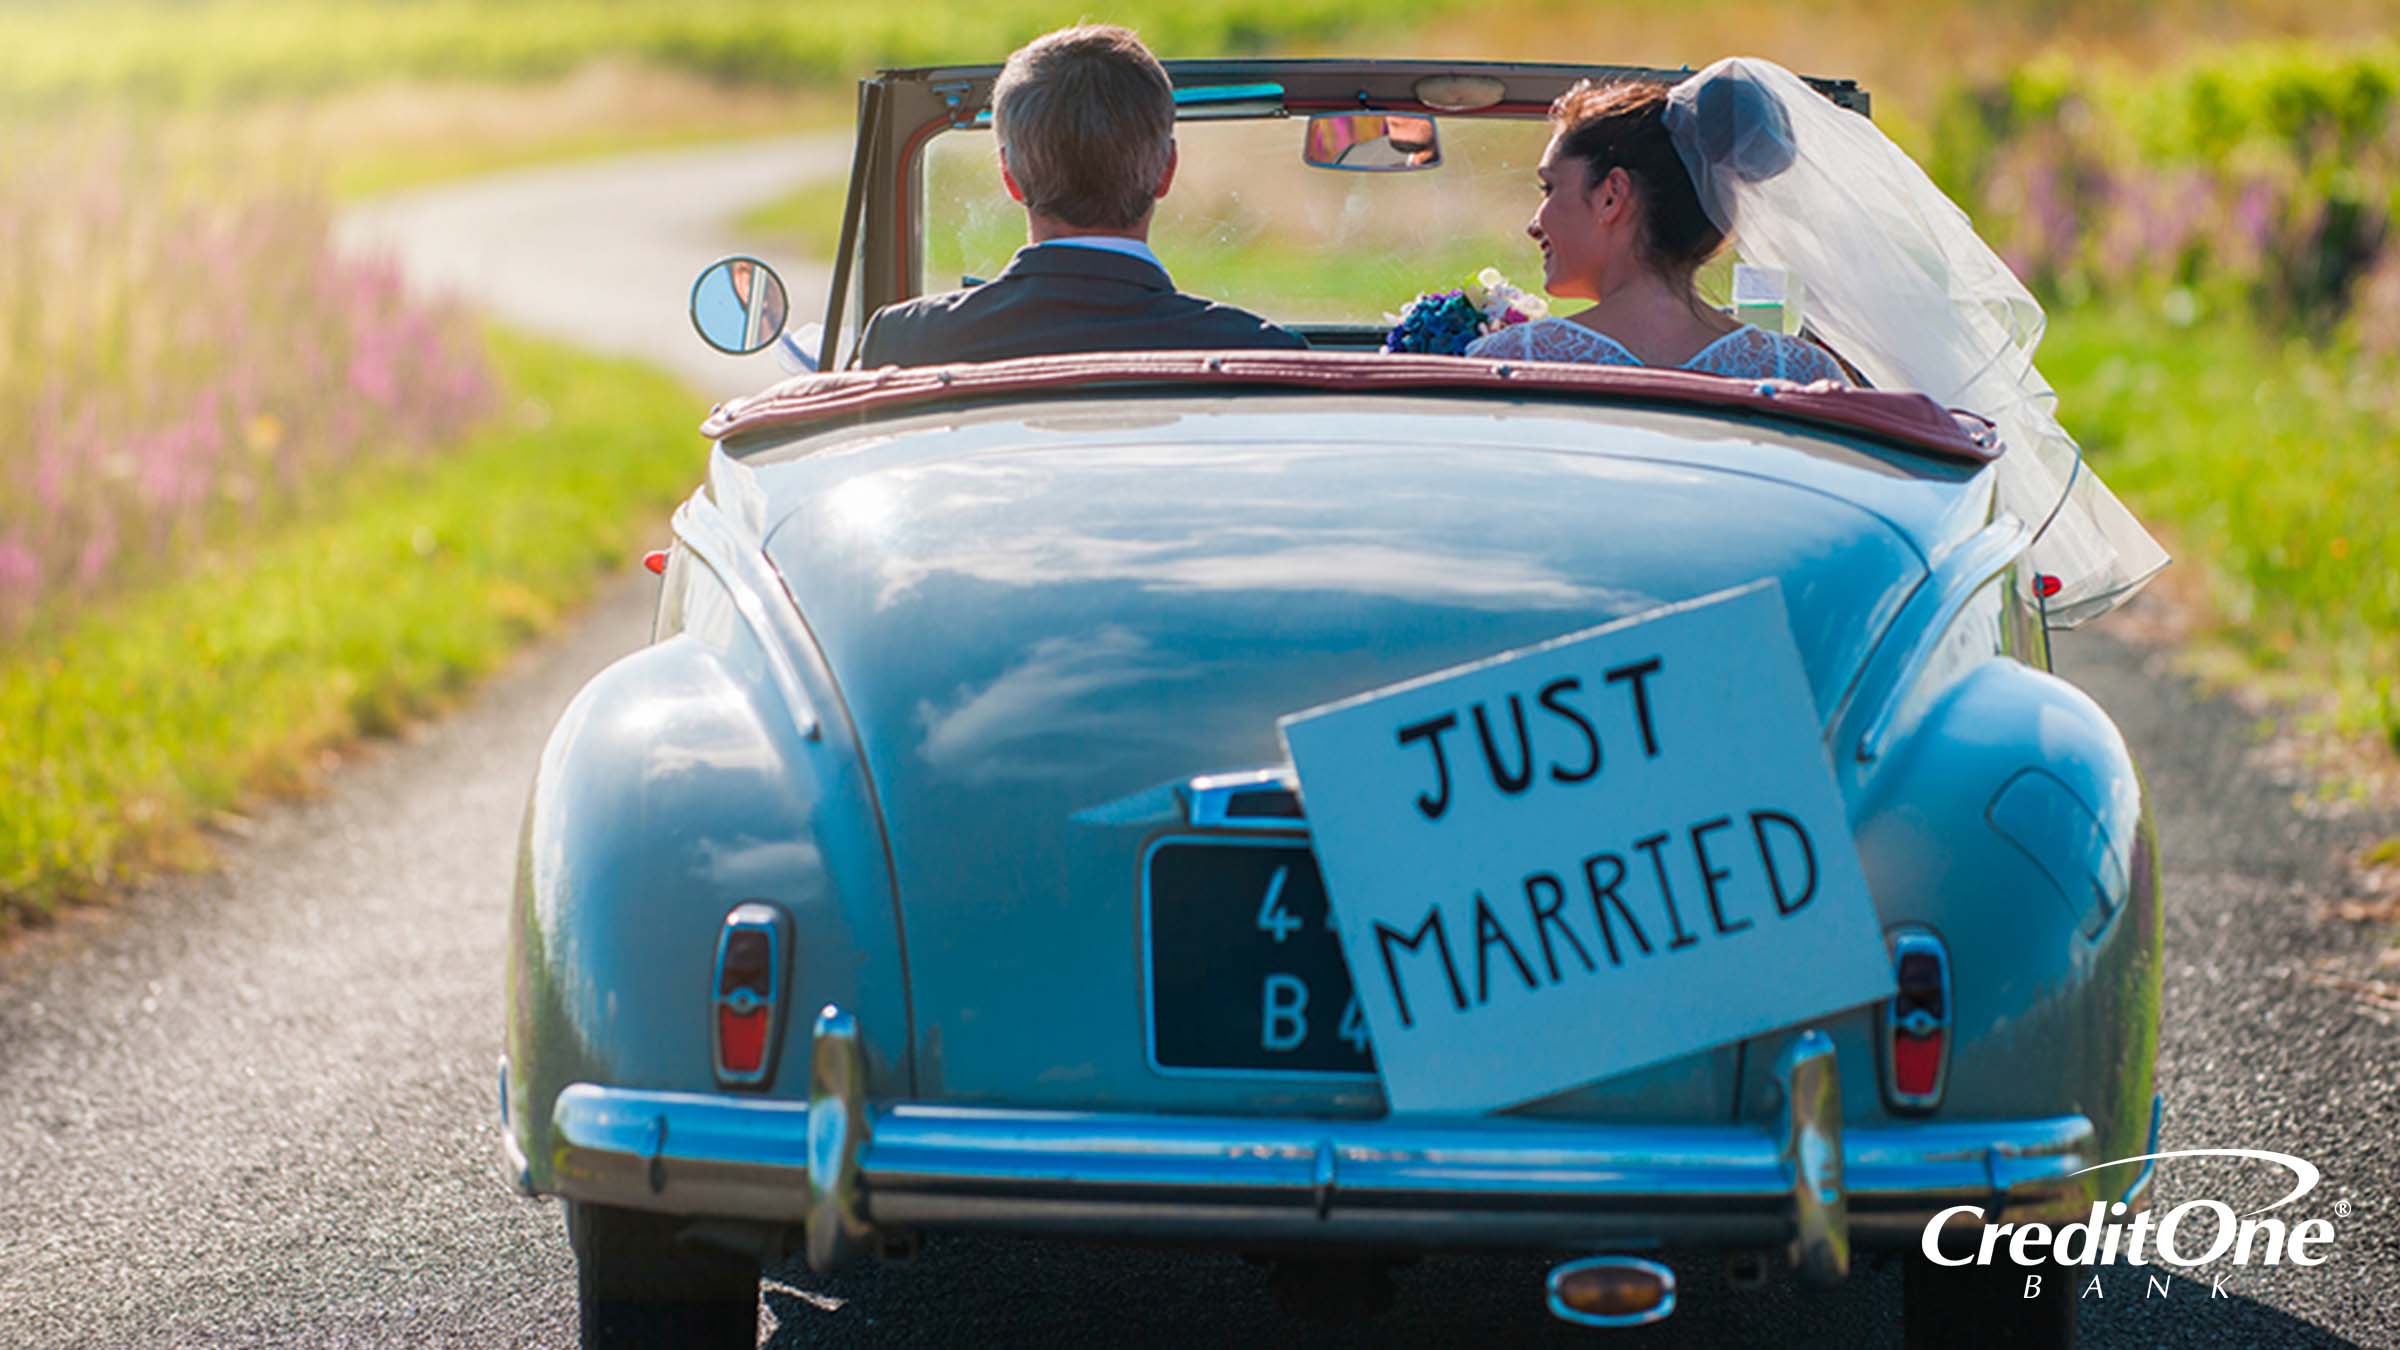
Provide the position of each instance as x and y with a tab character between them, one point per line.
638	1285
1950	1306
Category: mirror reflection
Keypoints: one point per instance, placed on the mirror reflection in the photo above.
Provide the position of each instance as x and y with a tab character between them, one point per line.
1371	143
739	305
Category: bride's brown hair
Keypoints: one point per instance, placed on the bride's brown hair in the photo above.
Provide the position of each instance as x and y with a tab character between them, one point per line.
1623	125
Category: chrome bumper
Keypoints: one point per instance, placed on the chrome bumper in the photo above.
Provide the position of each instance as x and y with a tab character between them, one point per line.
842	1168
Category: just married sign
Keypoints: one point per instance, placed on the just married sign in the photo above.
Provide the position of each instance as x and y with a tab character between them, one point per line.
1580	858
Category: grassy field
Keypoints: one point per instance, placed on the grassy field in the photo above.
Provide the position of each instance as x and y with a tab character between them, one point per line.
2271	464
205	51
216	51
2216	218
122	734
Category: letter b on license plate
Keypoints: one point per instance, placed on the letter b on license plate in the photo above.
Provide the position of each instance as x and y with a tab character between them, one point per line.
1246	971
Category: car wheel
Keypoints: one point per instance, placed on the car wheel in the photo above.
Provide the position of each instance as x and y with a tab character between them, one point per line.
638	1285
1947	1306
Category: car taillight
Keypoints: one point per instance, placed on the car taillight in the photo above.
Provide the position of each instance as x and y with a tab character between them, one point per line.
1916	1022
748	1003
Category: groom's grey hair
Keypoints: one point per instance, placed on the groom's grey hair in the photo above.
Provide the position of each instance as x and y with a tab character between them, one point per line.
1086	121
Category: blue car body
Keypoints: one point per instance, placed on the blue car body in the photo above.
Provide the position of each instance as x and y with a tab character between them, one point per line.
933	687
833	916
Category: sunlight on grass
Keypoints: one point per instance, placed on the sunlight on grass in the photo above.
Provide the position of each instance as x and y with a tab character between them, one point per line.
121	734
803	223
2272	463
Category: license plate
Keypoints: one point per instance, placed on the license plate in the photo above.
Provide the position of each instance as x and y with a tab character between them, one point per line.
1246	970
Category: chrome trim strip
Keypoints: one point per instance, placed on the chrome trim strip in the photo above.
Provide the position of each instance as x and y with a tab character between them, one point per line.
1907	940
1811	1156
747	576
1954	581
1659	1312
515	1169
1210	801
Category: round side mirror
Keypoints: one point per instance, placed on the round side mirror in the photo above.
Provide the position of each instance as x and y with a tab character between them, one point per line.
739	305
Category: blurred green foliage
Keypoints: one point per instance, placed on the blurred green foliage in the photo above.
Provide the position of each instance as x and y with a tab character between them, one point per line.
120	734
180	363
2261	179
226	50
2270	462
2216	235
2220	244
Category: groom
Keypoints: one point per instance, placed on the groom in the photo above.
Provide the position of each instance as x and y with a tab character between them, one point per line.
1086	122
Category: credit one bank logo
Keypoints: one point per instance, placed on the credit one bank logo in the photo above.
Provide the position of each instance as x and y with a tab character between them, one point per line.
2194	1233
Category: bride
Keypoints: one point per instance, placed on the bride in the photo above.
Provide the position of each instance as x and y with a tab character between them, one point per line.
1621	224
1643	181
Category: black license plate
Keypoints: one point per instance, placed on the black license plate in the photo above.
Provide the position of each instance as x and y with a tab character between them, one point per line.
1246	971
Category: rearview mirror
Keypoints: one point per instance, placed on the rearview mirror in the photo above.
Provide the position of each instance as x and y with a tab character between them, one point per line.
739	305
1371	143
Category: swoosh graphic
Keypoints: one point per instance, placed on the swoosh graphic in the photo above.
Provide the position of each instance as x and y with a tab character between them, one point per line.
2300	1167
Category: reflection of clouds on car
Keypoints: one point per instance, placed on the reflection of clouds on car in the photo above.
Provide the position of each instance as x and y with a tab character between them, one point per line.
1072	698
1278	547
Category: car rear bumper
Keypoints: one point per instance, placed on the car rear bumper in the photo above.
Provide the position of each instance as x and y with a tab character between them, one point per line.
842	1167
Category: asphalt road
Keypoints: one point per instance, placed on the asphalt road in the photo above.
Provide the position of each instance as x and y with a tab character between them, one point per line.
257	1105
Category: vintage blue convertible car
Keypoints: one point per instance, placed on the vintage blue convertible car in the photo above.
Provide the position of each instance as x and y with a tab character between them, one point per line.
910	878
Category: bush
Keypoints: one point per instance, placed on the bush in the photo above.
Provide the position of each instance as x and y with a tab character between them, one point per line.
2263	179
180	362
407	579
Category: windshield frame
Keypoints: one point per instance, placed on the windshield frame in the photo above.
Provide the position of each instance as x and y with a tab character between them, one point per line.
880	257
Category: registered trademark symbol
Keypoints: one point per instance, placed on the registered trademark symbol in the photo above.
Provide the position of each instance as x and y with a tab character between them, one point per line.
2341	1209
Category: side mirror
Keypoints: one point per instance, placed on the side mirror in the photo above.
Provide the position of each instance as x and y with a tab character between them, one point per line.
1371	143
739	305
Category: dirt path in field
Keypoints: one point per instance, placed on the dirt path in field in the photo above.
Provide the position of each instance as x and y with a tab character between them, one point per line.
257	1106
604	253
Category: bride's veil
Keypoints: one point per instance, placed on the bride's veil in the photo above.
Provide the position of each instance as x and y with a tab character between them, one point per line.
1900	284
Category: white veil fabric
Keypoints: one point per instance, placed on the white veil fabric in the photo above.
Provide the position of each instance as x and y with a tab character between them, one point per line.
1899	283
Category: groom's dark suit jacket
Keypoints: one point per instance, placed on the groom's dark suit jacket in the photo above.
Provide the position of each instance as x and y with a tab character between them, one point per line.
1060	298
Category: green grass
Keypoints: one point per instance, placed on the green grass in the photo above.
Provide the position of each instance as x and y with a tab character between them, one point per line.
123	733
218	51
2272	464
803	223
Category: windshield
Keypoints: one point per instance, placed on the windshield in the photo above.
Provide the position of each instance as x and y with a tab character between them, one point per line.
1249	224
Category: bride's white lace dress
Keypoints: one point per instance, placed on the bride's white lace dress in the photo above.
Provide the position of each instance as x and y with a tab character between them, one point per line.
1747	353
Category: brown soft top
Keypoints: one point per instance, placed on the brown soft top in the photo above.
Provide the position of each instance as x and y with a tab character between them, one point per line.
1909	420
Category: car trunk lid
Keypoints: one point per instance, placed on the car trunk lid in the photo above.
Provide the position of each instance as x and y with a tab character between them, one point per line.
1045	630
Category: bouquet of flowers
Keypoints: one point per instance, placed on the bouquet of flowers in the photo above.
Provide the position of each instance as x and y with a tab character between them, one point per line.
1442	323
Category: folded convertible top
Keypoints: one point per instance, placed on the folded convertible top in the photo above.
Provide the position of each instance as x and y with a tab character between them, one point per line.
1909	420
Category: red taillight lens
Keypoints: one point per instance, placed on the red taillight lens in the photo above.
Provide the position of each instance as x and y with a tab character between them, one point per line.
741	1040
747	993
1917	1064
1916	1023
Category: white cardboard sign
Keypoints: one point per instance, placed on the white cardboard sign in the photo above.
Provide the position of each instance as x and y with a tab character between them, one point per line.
1580	858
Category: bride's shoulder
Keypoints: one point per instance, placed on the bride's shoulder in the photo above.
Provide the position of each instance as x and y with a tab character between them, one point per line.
1509	341
1804	362
1752	353
1548	339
